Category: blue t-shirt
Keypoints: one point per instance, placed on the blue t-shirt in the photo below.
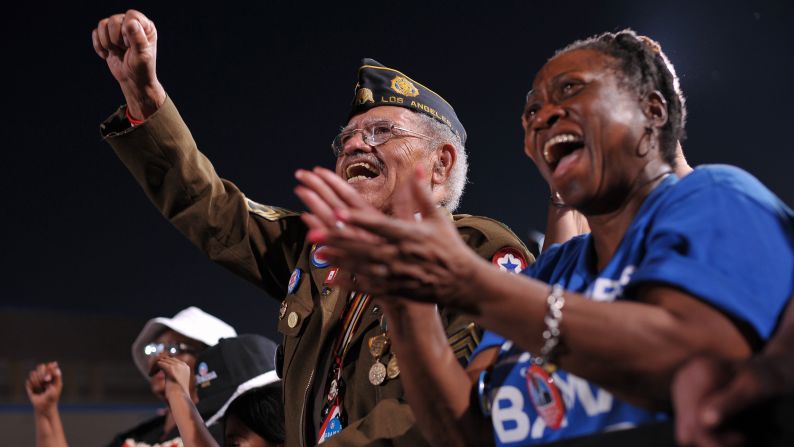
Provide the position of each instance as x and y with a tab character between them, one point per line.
717	234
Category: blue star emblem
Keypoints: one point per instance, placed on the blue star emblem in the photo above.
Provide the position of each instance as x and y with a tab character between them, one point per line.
509	263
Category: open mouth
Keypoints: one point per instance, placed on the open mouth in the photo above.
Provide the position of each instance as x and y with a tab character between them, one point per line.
559	147
360	171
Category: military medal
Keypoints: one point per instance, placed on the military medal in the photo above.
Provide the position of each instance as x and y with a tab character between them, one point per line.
544	395
377	347
392	368
377	374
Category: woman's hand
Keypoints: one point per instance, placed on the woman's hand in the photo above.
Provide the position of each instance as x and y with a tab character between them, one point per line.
416	254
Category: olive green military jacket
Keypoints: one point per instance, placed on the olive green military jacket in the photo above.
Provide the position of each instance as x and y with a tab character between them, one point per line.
264	245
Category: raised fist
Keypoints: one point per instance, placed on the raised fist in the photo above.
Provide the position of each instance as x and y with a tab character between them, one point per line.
44	386
128	43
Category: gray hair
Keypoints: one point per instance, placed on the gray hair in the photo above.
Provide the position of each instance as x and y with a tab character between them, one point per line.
442	134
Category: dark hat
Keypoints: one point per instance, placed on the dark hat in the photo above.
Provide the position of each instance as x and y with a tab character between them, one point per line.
382	86
229	369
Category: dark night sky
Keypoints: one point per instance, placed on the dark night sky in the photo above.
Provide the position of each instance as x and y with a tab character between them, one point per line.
264	88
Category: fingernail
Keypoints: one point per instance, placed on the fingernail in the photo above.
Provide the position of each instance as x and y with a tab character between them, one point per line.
710	417
342	215
316	236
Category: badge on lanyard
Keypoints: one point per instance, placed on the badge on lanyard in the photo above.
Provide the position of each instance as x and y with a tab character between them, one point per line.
545	396
294	280
331	426
318	257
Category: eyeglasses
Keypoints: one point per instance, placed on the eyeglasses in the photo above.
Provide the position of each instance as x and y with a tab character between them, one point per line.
171	349
373	134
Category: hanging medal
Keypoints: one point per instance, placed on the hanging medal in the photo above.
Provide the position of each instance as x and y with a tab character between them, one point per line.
377	347
544	394
392	368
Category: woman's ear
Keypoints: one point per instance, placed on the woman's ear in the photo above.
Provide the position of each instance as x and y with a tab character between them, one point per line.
655	109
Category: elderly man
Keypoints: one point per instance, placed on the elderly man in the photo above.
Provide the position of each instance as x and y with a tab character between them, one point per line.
341	382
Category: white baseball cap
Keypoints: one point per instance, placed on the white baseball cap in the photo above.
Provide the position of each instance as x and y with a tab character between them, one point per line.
191	322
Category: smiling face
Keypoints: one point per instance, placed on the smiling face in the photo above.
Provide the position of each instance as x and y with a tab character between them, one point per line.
584	129
376	171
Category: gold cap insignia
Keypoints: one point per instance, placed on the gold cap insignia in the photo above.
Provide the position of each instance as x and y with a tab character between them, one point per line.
403	86
364	95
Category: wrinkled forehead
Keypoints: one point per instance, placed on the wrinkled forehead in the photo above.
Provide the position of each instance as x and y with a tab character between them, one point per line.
580	60
395	115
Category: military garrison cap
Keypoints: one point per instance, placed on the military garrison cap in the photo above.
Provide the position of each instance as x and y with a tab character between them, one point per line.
382	86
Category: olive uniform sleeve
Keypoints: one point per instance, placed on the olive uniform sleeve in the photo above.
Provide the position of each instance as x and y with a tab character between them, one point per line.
391	421
258	242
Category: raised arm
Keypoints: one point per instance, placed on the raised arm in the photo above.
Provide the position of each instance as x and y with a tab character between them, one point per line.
255	241
177	392
44	386
128	43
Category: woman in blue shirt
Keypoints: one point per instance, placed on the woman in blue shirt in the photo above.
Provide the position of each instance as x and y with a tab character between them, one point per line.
588	339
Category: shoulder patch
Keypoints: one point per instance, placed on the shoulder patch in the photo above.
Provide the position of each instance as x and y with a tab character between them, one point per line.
509	259
267	212
492	236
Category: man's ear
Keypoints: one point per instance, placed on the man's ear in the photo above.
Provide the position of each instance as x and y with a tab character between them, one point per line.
655	109
442	165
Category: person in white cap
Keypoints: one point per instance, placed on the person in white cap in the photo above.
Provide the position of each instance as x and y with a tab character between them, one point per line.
185	335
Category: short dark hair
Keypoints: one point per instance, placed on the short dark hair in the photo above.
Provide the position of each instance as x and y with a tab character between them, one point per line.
262	411
645	68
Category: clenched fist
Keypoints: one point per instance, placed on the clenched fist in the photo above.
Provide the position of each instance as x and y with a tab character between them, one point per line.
44	386
128	43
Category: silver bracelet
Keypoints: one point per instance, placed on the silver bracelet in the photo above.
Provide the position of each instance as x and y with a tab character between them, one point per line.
553	319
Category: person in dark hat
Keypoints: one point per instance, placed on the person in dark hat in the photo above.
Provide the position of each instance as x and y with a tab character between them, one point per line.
341	379
182	337
236	378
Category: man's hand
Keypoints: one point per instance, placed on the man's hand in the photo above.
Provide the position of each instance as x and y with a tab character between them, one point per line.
44	386
177	377
713	396
128	43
